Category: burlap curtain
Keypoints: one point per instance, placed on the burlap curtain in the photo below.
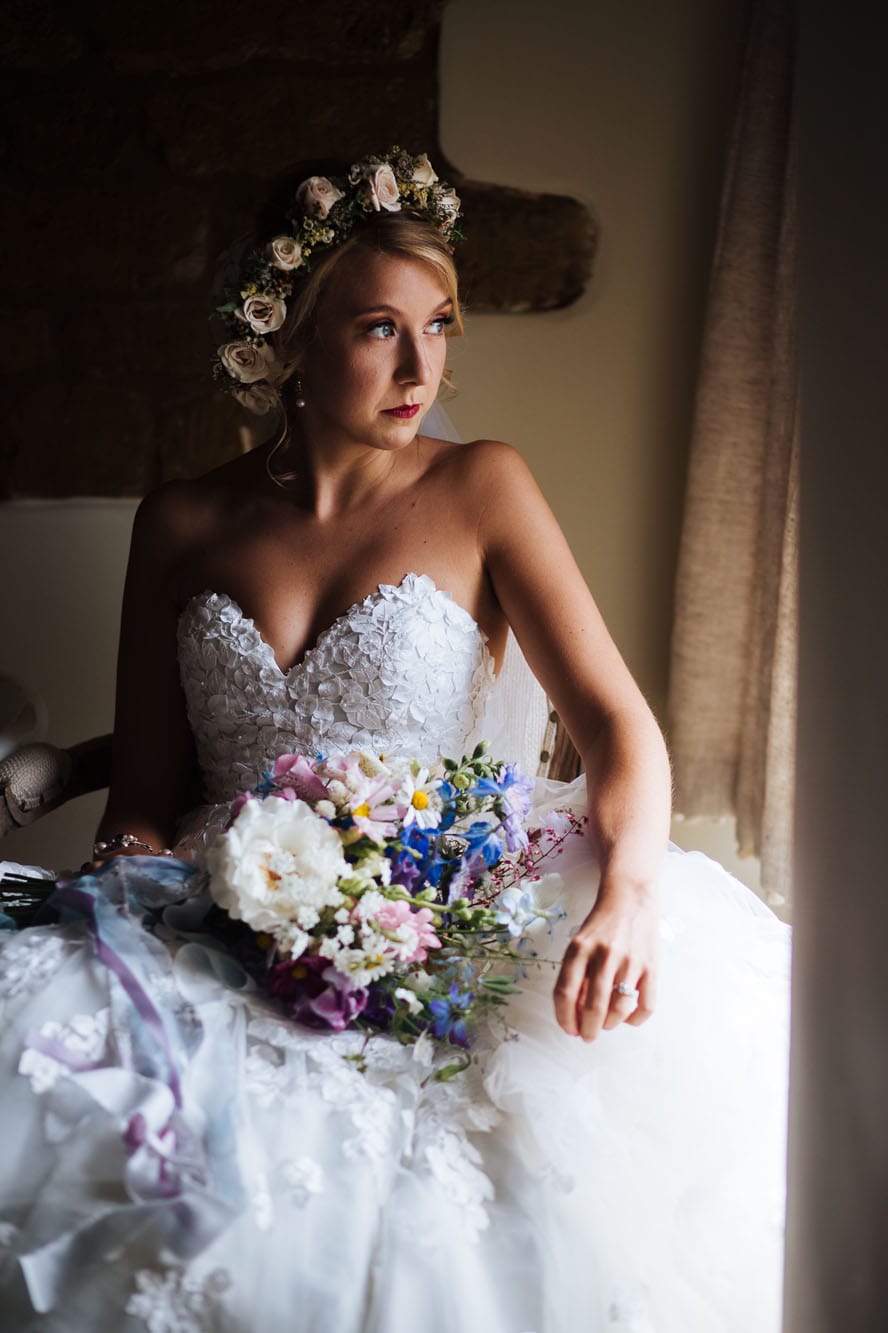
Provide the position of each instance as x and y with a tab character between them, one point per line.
733	672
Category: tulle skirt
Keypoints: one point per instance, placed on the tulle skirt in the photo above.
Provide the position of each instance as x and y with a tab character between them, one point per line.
178	1156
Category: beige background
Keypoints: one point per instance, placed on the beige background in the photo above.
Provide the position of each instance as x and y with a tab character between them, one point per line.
627	108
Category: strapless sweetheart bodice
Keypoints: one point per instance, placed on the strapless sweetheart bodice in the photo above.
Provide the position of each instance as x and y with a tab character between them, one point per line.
407	670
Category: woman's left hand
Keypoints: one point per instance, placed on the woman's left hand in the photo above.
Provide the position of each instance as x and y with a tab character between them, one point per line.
614	948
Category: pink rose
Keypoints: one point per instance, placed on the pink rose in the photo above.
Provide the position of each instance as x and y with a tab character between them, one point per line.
285	252
380	189
263	313
316	196
260	399
246	362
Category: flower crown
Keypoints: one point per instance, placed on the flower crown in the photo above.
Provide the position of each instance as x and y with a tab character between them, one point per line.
326	211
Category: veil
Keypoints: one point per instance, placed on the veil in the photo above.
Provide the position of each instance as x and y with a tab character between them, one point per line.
519	721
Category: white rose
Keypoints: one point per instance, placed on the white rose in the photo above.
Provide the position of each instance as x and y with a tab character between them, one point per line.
424	173
381	189
277	863
284	252
316	196
264	313
259	399
246	362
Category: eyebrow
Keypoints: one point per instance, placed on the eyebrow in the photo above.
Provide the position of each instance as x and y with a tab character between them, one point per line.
392	310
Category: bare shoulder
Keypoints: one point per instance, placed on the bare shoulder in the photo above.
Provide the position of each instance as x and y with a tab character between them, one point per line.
180	514
170	516
486	464
173	524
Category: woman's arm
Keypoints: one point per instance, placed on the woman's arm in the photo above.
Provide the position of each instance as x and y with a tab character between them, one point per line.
152	757
562	634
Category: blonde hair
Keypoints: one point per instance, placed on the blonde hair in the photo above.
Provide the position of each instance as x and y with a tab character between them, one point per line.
389	234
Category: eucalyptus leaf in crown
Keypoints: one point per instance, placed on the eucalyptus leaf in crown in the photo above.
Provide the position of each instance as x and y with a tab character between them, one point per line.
325	212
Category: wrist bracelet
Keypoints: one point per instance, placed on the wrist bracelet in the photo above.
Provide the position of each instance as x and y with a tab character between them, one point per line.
122	840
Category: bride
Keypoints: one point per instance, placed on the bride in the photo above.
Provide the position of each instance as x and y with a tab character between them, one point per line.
613	1158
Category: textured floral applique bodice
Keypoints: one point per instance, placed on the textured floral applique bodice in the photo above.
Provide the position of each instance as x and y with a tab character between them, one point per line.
406	670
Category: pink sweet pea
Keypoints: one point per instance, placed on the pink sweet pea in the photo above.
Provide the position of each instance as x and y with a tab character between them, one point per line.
399	913
293	772
237	805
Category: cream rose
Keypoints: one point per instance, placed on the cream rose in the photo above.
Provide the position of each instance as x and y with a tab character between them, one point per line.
380	189
316	196
263	313
277	868
424	173
259	399
284	252
246	362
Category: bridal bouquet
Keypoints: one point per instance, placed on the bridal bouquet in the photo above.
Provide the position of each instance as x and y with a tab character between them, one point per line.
384	894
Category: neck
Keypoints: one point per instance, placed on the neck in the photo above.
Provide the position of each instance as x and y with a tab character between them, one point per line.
331	476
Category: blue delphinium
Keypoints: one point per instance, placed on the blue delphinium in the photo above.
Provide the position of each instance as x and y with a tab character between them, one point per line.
515	790
450	1016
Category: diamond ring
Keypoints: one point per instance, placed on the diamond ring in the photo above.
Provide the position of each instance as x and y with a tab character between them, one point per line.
623	988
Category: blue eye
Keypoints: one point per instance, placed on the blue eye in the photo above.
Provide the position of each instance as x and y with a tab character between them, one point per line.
383	329
440	323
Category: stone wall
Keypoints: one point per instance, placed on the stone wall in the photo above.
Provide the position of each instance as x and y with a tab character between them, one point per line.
140	138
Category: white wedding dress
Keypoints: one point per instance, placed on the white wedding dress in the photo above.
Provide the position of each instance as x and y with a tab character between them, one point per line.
178	1157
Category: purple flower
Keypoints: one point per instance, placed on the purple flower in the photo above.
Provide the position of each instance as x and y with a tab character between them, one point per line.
340	1002
237	805
299	979
315	993
516	792
405	871
380	1006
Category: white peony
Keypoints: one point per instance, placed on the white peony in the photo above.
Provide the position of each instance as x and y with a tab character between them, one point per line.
277	868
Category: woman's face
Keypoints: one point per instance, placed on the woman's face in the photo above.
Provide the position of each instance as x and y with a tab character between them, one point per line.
373	366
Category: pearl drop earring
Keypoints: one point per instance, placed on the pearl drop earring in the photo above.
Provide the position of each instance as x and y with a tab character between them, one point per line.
300	401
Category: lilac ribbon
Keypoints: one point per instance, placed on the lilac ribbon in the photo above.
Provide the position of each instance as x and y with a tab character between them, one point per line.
57	1050
85	904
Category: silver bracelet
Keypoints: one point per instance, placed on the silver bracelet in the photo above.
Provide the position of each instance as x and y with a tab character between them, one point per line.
122	840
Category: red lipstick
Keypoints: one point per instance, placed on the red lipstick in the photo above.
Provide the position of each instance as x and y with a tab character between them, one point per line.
406	412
